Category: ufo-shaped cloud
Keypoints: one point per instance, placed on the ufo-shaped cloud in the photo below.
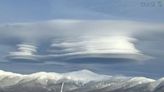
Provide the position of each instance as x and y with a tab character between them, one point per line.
24	52
99	47
71	39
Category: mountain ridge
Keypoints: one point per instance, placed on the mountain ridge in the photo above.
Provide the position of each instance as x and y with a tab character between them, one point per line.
76	81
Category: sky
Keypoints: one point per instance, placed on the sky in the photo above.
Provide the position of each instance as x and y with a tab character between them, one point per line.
116	37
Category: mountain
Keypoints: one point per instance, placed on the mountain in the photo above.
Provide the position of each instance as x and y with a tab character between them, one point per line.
77	81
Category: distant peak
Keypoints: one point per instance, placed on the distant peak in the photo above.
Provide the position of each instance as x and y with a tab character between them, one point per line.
83	71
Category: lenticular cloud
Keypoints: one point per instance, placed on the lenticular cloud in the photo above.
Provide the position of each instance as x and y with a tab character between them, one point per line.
24	52
121	47
71	39
104	47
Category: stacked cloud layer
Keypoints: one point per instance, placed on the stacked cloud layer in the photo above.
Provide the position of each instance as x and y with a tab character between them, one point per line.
78	39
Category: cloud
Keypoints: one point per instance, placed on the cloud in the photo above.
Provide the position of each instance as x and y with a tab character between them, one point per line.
24	52
102	47
68	28
79	38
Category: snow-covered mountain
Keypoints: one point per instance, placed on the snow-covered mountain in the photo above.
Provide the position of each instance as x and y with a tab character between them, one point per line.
77	81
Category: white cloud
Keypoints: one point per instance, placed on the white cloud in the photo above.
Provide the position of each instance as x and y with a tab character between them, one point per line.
112	47
24	51
115	38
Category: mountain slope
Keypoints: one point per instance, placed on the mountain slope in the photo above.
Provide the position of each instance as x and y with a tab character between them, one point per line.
77	81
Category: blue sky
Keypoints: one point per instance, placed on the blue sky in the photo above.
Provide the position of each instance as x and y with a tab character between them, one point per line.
40	10
33	21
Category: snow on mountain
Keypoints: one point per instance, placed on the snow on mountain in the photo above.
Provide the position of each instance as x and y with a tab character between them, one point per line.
44	75
77	81
9	78
85	76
